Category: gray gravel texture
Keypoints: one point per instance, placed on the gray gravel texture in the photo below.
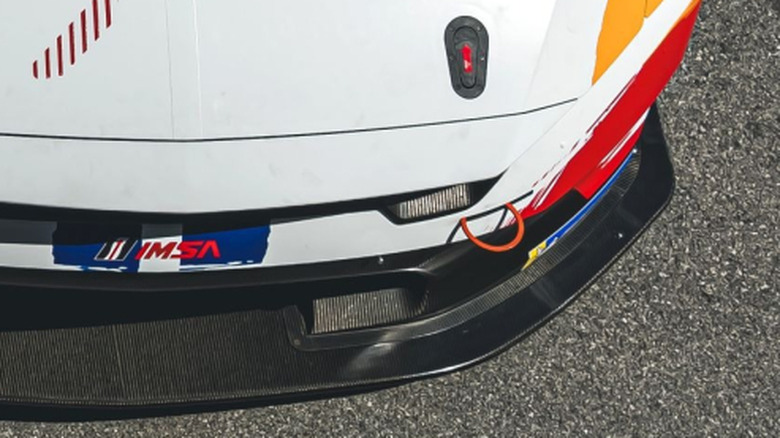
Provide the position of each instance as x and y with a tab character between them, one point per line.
680	337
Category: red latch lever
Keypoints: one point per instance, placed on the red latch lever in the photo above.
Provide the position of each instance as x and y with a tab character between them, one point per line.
468	62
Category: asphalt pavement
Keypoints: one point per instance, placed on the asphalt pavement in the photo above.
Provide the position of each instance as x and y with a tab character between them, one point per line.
680	338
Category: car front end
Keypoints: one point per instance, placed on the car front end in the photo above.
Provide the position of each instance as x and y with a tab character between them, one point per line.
249	201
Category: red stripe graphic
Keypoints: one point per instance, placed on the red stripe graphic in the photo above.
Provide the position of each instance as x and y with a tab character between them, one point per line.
48	63
117	246
96	19
72	43
60	67
84	31
60	47
108	14
85	21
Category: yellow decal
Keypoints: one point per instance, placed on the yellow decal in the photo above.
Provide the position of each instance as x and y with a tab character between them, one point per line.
535	253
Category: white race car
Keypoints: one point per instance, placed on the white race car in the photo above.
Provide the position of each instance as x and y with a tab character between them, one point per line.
232	201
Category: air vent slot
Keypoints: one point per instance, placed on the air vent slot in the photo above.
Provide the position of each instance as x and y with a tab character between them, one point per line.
366	309
437	202
450	199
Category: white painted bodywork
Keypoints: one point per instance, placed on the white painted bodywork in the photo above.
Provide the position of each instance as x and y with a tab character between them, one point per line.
176	115
236	68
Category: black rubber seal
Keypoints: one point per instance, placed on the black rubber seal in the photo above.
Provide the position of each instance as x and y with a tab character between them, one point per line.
471	32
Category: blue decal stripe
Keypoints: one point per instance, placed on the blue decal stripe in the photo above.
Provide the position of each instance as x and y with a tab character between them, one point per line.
550	241
595	199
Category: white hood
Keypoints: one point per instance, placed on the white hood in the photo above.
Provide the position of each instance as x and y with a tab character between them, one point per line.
190	70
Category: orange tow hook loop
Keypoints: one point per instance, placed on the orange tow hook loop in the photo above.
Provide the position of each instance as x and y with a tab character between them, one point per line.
502	248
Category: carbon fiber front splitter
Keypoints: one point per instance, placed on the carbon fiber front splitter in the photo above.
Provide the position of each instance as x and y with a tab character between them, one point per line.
248	350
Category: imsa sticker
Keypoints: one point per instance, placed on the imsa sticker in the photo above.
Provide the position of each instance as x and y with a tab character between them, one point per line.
119	250
186	252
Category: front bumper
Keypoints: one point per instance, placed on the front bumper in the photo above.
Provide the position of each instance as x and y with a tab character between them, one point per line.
422	314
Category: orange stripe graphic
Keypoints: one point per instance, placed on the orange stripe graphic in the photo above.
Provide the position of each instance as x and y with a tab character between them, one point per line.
651	6
622	21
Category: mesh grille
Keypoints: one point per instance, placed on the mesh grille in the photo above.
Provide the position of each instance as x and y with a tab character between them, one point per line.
368	309
449	199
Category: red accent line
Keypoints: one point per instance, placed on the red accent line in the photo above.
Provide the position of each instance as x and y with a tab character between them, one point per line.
117	245
84	31
60	63
35	69
108	14
96	19
47	54
72	43
639	95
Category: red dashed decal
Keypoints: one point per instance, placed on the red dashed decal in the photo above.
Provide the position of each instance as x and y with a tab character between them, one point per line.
72	43
84	42
108	13
96	19
60	67
65	45
47	54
